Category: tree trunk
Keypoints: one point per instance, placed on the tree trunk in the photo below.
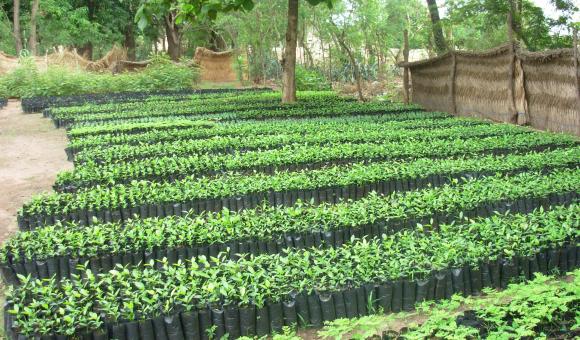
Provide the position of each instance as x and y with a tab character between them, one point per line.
16	24
355	69
33	42
341	41
216	42
406	69
330	61
129	42
289	59
87	49
173	37
515	21
440	44
576	64
307	58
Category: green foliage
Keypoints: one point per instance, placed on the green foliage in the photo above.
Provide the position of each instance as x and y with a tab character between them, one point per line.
310	80
24	77
479	24
176	130
122	293
266	222
540	308
6	44
27	81
193	162
320	136
340	108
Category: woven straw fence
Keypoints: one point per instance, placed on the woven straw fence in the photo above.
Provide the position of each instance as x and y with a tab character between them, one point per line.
504	84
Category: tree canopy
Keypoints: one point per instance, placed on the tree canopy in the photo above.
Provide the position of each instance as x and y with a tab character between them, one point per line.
256	29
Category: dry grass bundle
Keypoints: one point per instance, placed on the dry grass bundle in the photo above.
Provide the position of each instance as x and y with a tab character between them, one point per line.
69	59
115	55
128	66
215	66
9	63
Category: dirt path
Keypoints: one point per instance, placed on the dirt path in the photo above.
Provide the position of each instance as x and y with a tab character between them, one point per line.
31	154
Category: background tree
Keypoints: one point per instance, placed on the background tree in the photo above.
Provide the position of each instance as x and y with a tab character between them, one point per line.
479	24
438	37
16	20
33	38
196	10
370	40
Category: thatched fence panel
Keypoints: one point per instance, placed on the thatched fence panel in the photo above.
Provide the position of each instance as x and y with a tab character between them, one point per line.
504	84
433	88
550	85
481	85
215	66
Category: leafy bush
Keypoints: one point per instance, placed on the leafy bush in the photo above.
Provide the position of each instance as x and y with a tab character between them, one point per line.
161	74
4	93
310	80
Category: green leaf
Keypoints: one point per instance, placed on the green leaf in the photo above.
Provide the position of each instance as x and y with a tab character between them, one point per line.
248	5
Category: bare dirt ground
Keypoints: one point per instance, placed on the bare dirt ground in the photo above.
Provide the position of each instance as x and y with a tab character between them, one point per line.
31	154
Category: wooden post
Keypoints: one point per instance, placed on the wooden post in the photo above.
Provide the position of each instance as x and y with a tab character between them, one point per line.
406	69
452	82
511	75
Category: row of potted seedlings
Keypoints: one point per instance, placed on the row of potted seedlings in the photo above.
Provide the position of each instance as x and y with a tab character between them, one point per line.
205	298
38	104
306	101
293	112
298	157
187	111
239	191
146	124
182	130
230	144
171	103
55	250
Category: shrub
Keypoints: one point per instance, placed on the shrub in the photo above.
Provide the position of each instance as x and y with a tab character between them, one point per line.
310	80
161	74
